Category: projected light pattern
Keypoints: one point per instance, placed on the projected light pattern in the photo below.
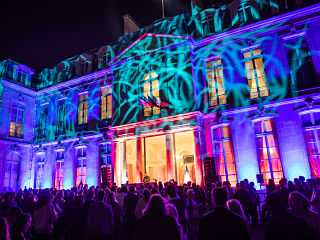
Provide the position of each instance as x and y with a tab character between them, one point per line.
177	80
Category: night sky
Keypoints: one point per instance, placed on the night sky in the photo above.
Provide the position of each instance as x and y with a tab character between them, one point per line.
40	34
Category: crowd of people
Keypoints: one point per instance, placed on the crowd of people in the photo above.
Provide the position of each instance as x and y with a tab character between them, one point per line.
163	211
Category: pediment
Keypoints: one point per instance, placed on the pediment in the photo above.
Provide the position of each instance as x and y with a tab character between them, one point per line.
148	43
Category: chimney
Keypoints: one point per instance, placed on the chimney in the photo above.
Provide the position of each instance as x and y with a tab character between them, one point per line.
196	6
130	25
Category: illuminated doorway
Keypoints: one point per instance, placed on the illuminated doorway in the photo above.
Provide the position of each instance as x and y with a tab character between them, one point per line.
131	160
155	158
185	157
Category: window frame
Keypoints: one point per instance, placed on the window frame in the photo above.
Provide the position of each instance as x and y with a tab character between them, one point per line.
40	162
242	9
81	164
147	78
83	115
60	161
222	140
265	135
104	108
214	79
61	118
19	107
11	162
252	58
314	127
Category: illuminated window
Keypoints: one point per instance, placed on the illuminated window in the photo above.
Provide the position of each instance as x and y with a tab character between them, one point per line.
151	89
105	163
311	124
255	73
43	123
300	60
59	169
81	173
83	109
217	92
12	166
224	156
61	118
244	12
40	171
268	150
17	119
106	103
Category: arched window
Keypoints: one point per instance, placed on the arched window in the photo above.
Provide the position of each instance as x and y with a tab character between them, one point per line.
151	90
12	166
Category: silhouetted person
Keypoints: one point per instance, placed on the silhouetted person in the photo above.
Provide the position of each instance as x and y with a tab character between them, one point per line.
243	195
282	224
4	229
155	224
130	204
220	223
100	221
19	229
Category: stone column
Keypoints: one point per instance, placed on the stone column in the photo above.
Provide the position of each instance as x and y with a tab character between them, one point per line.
197	153
169	154
139	160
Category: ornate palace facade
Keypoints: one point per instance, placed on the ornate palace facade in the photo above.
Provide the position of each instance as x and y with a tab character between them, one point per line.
230	88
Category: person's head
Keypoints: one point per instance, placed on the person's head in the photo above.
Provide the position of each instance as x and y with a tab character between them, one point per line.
154	191
246	181
100	196
242	185
251	184
220	196
298	202
132	189
235	206
172	211
275	204
22	224
60	194
13	214
4	229
290	185
190	194
171	190
271	182
111	198
146	195
302	179
283	182
124	189
90	195
156	206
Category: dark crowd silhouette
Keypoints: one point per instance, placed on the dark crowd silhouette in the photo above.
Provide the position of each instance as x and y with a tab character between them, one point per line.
166	211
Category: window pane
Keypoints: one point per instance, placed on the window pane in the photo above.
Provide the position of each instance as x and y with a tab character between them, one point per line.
228	146
221	170
226	132
261	142
219	147
256	52
263	154
247	54
270	125
313	149
314	161
274	152
209	64
258	127
231	169
217	133
276	165
219	158
272	141
264	166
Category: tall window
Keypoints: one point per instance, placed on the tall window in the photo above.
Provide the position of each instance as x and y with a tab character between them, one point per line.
300	61
224	156
43	122
81	165
83	109
106	165
151	89
106	103
255	73
59	169
85	65
17	118
11	175
311	124
217	92
40	170
244	12
61	118
268	150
